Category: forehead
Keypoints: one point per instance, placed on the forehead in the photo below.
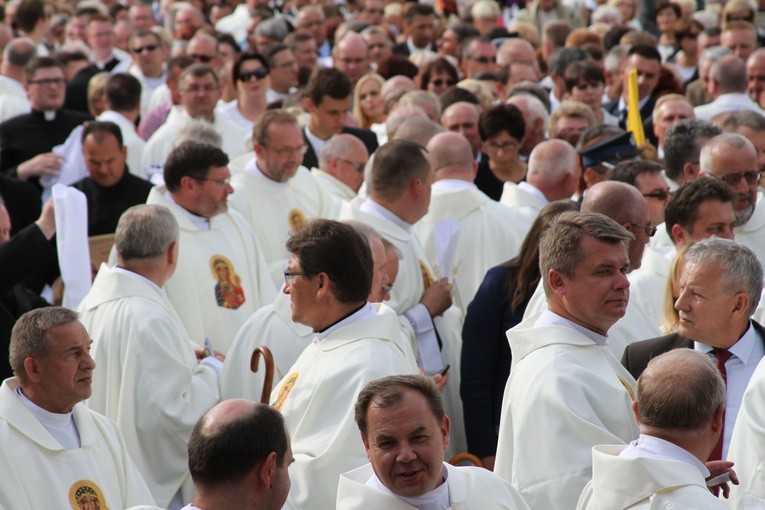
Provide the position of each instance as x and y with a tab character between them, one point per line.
411	411
422	20
461	113
283	131
145	39
67	335
572	122
330	103
98	26
371	85
598	252
101	141
202	43
204	79
737	35
714	211
643	64
482	47
734	159
48	72
251	65
648	181
676	107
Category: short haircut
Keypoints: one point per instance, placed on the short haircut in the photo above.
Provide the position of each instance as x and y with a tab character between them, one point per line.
744	118
555	33
28	13
628	171
682	144
40	63
645	51
29	337
328	81
560	246
563	57
327	246
200	131
456	95
228	453
668	98
244	57
123	92
583	70
395	165
273	50
18	54
683	207
679	391
191	159
389	391
274	116
419	10
571	110
336	146
730	74
144	232
145	33
741	271
734	140
198	71
499	118
99	128
530	88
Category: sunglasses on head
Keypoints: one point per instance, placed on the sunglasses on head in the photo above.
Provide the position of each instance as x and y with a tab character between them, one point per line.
259	73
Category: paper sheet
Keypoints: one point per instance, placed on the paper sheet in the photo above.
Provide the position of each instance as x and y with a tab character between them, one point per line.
72	242
446	233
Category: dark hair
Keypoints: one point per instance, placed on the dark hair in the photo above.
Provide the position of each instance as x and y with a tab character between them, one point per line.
226	38
229	452
199	71
328	246
328	81
389	391
395	65
244	57
418	9
666	4
395	165
627	171
98	128
21	57
272	51
191	159
614	35
456	95
583	70
499	118
683	207
682	143
645	51
40	63
562	57
123	92
439	65
28	13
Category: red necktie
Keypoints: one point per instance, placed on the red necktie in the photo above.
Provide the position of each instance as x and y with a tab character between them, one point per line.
722	356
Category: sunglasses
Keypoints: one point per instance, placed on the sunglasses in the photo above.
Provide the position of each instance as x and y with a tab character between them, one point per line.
259	73
439	82
202	58
732	180
660	195
148	49
484	60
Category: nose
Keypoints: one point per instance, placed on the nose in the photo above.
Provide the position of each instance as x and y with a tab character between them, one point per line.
228	188
681	303
405	454
89	363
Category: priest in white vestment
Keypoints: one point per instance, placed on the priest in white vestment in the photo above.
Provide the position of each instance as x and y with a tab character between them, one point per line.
328	279
679	407
152	381
222	277
54	451
341	166
405	432
561	362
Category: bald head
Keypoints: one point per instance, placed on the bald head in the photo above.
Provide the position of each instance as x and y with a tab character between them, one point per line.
418	129
395	83
728	75
16	55
516	50
226	412
554	169
451	157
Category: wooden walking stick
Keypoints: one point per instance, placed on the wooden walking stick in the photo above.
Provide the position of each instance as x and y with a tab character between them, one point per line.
268	381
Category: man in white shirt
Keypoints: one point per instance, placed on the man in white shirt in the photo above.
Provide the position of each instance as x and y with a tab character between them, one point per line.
679	407
727	88
153	384
54	452
341	166
13	96
329	278
149	56
561	361
405	432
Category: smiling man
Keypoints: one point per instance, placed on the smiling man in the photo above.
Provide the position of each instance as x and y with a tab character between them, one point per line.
561	362
405	432
48	437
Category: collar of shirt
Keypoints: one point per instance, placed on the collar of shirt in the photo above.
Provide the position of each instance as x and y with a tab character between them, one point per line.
363	313
316	142
62	426
412	48
371	207
140	277
252	168
103	63
452	185
437	499
548	318
655	448
115	117
533	190
200	222
743	349
641	103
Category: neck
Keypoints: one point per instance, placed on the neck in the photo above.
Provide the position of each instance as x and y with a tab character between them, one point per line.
512	172
102	55
150	269
252	106
698	445
317	130
397	207
337	313
13	73
225	498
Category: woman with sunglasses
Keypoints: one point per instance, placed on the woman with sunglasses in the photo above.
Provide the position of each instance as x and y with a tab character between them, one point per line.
250	77
438	75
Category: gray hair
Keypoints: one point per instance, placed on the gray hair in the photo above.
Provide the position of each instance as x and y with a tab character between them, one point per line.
421	97
679	392
730	74
19	52
144	232
741	271
744	118
198	130
706	158
418	129
338	145
273	28
615	57
560	246
535	108
29	337
551	161
683	142
712	54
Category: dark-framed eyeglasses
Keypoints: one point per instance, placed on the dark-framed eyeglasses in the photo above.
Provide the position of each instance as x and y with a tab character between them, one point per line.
648	229
259	74
289	276
732	180
358	166
47	82
205	59
439	82
148	49
219	182
660	195
485	60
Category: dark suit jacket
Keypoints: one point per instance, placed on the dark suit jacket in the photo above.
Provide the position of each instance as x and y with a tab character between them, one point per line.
646	113
311	159
637	355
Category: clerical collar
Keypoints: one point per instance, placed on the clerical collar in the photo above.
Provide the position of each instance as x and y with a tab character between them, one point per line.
371	207
548	318
61	426
363	312
200	222
437	499
48	115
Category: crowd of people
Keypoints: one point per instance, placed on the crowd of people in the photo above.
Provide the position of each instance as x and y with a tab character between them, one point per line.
434	223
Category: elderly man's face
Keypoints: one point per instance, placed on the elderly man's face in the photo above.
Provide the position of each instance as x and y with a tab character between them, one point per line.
596	295
199	95
405	444
64	377
669	114
737	167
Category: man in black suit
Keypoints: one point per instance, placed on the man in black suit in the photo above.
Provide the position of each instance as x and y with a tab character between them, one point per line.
720	288
328	96
419	26
647	61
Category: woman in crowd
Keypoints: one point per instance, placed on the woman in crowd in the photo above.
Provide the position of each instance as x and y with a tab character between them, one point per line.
585	82
686	59
368	103
667	13
250	76
438	75
501	129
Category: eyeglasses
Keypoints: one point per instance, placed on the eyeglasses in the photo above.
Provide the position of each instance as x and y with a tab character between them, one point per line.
374	11
358	166
353	61
288	151
202	58
649	230
438	82
47	82
661	195
220	182
193	89
289	276
484	60
148	49
497	147
259	74
732	180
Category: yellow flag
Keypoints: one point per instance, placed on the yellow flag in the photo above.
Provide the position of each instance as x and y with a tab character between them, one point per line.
634	121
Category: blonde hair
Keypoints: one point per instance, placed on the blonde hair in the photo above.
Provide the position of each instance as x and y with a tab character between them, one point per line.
364	121
572	109
672	288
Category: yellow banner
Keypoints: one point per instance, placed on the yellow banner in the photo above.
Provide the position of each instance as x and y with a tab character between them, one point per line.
634	121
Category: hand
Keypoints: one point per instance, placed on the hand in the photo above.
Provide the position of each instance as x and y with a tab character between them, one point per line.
440	381
47	220
488	462
42	164
438	298
718	467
